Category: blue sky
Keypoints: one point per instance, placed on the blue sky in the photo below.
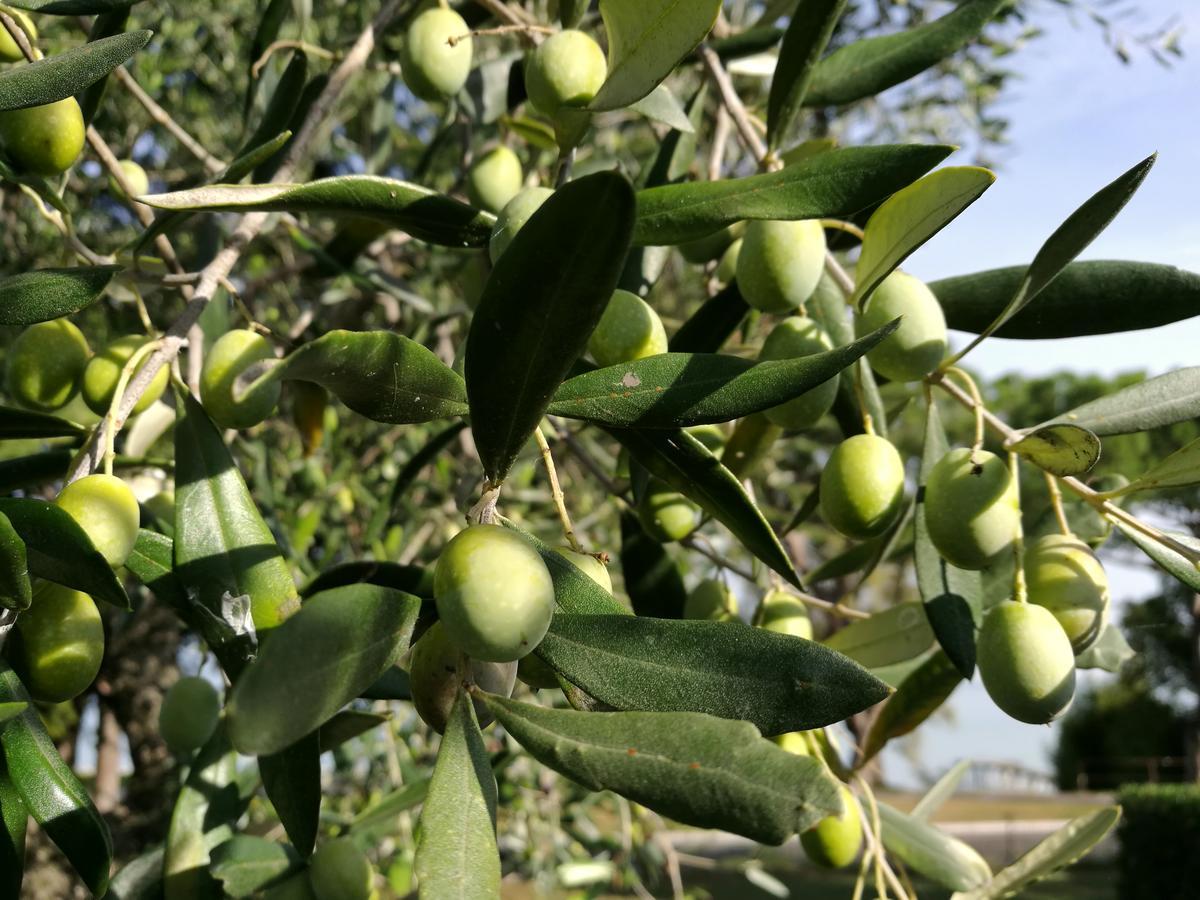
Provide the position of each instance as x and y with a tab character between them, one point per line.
1079	118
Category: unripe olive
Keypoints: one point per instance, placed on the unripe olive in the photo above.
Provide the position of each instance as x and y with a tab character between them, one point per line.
1026	662
727	267
139	183
666	514
592	567
566	70
104	371
862	486
780	263
494	179
45	363
785	613
432	68
629	329
9	51
433	674
494	594
705	249
232	354
43	140
918	346
513	216
189	714
62	643
338	870
106	509
971	507
835	841
794	337
711	436
711	599
1063	574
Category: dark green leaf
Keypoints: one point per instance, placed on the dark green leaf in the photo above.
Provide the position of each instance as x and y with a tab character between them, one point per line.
686	464
278	114
391	685
834	184
804	41
425	214
20	424
677	151
292	780
66	74
60	551
1062	450
695	769
139	879
845	563
875	64
456	848
1092	297
316	662
15	590
14	818
247	863
652	580
540	305
269	25
932	852
917	698
105	25
379	374
711	325
347	725
777	682
646	40
52	795
46	294
677	390
410	579
72	7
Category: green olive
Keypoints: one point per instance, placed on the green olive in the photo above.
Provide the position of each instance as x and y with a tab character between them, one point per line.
9	51
862	486
189	714
785	613
1026	662
45	364
340	871
232	354
629	329
62	643
798	336
1063	574
971	508
104	371
918	346
513	216
727	268
711	436
835	841
711	599
43	140
106	509
139	183
705	249
494	179
433	673
432	68
592	567
666	514
780	264
494	594
566	70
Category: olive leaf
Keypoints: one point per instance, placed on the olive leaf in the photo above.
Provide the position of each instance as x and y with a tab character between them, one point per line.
930	851
662	105
1180	469
1062	450
72	7
15	590
139	879
885	638
919	696
349	724
106	24
45	294
941	791
712	324
22	423
574	591
246	864
66	74
1169	560
1110	652
14	821
1153	403
292	781
807	35
652	580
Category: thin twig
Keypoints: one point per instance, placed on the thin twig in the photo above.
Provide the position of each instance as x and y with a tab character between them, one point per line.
556	492
729	97
163	118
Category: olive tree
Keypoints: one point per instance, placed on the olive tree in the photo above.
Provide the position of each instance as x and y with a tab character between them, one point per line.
537	393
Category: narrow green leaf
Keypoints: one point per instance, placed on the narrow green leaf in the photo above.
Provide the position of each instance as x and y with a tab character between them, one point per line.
52	795
316	662
687	465
652	580
834	184
379	374
677	151
139	879
541	303
1187	572
917	698
866	67
678	390
425	214
943	789
105	25
389	806
574	591
777	682
662	105
456	847
1062	450
646	40
292	780
1154	403
1092	297
279	111
1070	843
349	724
932	852
845	563
66	74
14	818
246	864
21	424
10	709
892	636
269	24
15	590
696	769
804	41
910	217
1110	652
1068	241
46	294
71	7
224	551
409	579
59	550
711	325
1180	469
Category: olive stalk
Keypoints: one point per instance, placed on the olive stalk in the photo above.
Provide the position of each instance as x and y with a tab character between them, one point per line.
556	491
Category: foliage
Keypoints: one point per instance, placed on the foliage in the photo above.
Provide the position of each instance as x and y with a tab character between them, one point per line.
1159	820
